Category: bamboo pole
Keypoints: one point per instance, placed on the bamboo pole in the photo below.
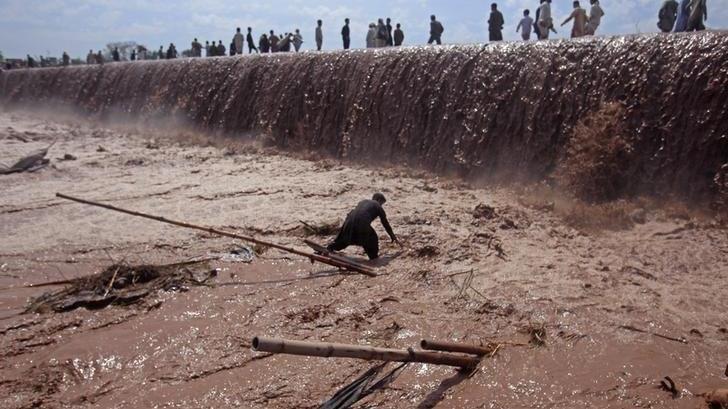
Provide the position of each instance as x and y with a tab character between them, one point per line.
329	350
313	257
455	347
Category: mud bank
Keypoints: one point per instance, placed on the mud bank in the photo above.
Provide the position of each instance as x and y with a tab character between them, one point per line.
495	112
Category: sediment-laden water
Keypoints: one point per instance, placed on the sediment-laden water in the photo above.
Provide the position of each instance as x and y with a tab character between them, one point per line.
502	112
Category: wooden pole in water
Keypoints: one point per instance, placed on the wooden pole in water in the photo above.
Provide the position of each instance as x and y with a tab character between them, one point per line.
455	347
329	350
313	257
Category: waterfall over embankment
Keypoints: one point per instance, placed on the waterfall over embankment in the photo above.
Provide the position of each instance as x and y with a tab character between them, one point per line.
502	111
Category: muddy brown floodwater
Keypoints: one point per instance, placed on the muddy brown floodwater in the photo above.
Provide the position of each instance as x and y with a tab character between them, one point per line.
589	290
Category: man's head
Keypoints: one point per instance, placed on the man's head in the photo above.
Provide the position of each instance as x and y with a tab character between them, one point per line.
380	21
576	4
526	12
320	23
346	20
250	29
494	6
379	198
238	29
399	25
271	32
195	40
432	17
389	20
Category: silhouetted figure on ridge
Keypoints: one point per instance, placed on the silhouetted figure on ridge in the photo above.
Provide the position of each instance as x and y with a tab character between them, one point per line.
595	17
133	55
525	25
90	57
682	16
99	58
436	30
209	50
171	52
274	42
495	24
390	39
196	48
66	59
698	14
251	41
264	44
238	39
667	16
371	40
381	38
346	34
297	40
160	53
31	61
284	43
115	55
398	35
544	20
580	19
220	52
319	35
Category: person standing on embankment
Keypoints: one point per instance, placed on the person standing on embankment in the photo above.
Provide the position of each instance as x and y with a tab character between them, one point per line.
580	19
436	30
346	34
595	17
495	24
667	16
524	26
319	35
398	35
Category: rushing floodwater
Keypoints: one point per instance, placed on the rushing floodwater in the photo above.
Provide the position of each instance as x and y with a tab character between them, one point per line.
483	111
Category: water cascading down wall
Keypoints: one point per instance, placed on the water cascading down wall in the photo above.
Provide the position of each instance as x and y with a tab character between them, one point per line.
500	111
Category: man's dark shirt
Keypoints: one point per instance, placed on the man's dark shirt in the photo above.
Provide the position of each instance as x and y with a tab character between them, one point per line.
398	37
345	32
366	212
495	23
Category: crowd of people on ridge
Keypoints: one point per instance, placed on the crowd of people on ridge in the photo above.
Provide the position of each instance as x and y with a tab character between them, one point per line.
688	15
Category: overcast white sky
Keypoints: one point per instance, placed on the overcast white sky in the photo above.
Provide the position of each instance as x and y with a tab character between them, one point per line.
48	27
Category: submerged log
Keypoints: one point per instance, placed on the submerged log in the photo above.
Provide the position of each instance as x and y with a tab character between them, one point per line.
455	347
330	350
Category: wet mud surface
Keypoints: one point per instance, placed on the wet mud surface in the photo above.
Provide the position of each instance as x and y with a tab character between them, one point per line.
592	292
496	112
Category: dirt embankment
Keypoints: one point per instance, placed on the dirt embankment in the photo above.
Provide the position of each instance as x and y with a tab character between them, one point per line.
498	112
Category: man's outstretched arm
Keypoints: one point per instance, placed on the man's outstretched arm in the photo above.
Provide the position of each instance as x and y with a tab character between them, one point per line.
387	227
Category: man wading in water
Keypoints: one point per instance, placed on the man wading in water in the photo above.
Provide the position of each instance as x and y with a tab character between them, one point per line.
357	229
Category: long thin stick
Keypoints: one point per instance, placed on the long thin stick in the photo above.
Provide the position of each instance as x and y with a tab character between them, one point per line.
312	257
457	347
369	353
